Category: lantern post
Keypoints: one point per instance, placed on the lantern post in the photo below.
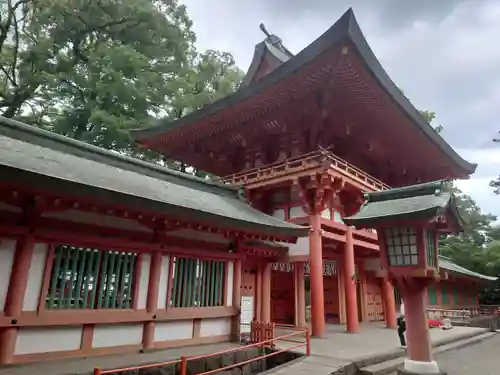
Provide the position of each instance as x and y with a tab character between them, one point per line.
409	221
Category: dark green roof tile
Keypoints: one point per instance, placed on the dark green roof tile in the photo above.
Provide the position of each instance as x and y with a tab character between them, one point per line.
31	155
412	202
450	266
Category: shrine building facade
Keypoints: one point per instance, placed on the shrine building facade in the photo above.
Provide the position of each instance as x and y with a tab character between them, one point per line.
307	135
102	253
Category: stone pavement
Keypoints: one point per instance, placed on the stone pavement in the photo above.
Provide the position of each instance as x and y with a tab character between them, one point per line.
480	359
343	352
372	340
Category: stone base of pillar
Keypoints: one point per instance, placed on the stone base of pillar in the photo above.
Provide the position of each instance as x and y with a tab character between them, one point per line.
420	368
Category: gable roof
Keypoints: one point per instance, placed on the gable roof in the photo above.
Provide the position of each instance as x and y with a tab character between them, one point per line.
271	50
29	155
346	29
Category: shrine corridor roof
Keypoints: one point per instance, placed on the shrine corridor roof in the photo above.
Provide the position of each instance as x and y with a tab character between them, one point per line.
30	156
450	266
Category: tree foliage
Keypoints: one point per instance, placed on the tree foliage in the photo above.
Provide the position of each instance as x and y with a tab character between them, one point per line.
478	247
94	69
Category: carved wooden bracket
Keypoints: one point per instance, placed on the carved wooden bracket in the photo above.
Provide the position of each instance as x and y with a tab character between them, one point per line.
317	192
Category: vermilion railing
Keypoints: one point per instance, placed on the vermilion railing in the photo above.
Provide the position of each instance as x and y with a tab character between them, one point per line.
302	162
258	330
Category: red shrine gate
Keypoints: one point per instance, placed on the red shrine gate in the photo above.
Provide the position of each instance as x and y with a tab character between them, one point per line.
283	299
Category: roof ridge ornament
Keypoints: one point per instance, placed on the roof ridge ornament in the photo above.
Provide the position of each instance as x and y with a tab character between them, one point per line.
272	38
264	30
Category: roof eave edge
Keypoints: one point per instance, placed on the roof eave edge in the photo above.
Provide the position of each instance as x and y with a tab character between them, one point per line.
357	38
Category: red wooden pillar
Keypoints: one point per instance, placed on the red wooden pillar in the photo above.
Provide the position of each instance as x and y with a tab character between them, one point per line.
15	296
352	322
389	303
148	333
265	313
316	276
300	294
258	293
417	333
235	323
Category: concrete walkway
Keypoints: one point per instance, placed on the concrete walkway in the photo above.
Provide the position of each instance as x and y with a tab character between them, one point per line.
347	352
480	359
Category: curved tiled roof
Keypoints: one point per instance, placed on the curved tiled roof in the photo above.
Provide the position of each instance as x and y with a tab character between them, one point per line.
29	155
450	266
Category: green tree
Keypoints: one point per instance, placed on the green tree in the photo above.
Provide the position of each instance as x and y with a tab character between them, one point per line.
93	70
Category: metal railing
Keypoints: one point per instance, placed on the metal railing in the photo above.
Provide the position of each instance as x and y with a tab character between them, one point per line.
259	330
302	162
455	315
465	314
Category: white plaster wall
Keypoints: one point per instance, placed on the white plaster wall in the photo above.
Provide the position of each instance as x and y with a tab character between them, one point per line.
117	335
44	340
199	235
215	327
229	283
144	281
163	289
7	250
35	277
92	218
279	213
168	331
297	211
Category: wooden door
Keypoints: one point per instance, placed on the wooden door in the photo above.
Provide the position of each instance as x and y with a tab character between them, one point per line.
374	302
249	282
331	287
282	297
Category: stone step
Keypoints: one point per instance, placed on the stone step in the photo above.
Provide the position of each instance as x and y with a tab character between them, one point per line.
392	365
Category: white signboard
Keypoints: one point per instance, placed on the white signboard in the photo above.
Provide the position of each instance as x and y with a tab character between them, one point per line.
246	315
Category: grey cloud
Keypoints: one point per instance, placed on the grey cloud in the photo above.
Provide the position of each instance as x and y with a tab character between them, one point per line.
390	14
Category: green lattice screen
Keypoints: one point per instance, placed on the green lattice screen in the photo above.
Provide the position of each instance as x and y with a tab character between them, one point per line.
456	294
197	283
84	278
431	291
431	248
472	297
444	294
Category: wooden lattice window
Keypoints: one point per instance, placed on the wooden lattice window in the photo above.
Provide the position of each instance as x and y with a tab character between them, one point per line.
197	283
84	278
431	248
401	245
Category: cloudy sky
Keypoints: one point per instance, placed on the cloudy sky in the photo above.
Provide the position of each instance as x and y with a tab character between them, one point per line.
444	54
